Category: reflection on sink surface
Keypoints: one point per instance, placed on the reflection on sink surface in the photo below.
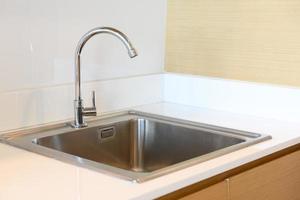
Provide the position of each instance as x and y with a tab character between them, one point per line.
138	144
135	146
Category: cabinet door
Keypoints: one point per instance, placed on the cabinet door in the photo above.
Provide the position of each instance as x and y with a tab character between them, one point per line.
218	191
275	180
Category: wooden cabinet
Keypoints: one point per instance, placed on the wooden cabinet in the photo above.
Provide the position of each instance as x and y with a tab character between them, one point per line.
218	191
275	180
275	177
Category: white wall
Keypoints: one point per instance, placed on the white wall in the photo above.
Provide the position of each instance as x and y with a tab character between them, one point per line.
248	98
38	40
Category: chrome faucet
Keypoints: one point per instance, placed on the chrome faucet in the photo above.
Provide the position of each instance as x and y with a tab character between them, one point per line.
79	110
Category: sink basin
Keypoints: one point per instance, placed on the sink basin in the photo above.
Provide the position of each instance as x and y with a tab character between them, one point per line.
133	145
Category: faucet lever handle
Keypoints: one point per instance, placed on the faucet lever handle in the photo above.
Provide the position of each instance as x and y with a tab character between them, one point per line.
90	111
94	98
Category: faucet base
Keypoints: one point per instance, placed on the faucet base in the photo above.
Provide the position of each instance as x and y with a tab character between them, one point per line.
74	125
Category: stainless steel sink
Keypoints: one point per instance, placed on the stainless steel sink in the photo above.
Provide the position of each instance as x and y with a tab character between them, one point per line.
132	145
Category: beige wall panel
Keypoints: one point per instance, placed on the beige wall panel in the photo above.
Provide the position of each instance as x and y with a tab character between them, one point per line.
253	40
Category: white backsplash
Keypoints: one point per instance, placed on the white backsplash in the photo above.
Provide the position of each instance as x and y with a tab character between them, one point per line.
248	98
38	41
39	38
43	105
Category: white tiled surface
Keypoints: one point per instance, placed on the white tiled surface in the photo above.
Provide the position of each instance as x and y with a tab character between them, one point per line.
43	105
8	102
38	40
46	104
26	175
262	100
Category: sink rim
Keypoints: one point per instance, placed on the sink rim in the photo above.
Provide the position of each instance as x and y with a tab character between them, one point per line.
23	138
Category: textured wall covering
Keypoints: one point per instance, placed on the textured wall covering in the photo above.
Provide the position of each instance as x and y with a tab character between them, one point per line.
257	40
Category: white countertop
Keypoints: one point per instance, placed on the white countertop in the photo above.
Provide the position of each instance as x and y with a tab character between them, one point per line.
25	175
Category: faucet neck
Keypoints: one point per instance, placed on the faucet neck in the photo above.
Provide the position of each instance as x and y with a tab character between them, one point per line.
121	36
80	111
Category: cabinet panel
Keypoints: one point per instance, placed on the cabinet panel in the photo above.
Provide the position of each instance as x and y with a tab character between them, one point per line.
275	180
274	177
218	191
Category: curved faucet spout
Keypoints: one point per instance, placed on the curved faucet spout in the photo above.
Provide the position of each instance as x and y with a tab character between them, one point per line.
131	51
80	111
